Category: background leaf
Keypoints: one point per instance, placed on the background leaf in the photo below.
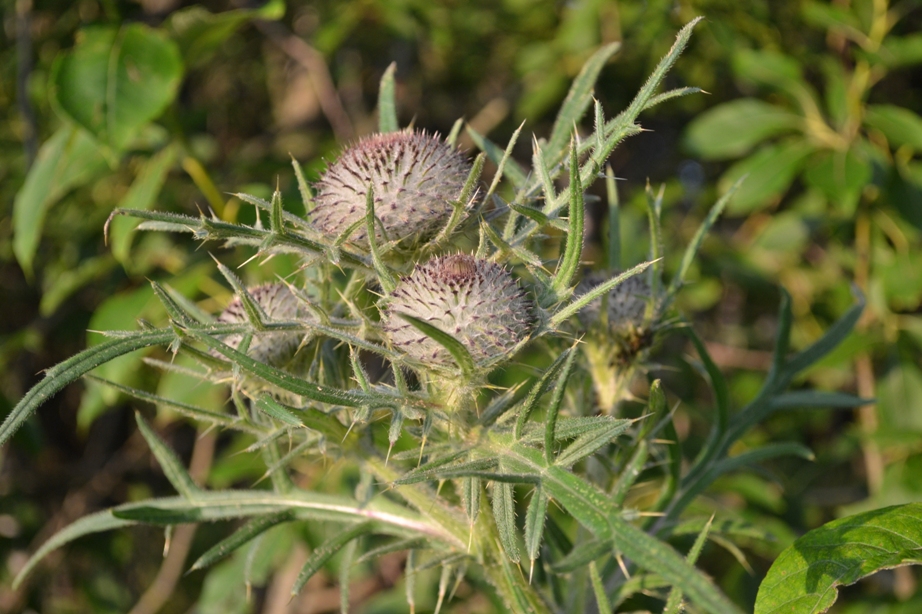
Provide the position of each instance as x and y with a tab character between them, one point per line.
115	81
806	577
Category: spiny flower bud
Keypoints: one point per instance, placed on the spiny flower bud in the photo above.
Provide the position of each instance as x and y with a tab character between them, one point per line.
476	301
415	177
279	303
627	302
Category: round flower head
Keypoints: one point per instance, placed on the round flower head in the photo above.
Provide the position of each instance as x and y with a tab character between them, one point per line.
627	302
476	301
278	302
415	178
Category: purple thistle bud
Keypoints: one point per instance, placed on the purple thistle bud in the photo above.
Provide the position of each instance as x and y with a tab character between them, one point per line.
476	301
415	177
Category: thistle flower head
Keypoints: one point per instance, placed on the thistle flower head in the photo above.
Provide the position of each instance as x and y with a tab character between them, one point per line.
279	303
415	177
626	303
476	301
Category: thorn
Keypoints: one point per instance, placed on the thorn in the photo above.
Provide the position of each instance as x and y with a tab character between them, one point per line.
421	448
349	430
249	592
531	570
389	448
470	537
623	567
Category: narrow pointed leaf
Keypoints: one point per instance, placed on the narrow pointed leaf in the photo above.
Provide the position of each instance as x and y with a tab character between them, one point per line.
512	168
454	347
537	391
303	187
255	527
534	522
570	262
674	601
94	523
286	381
598	589
447	471
578	98
172	467
590	442
387	281
387	105
604	288
277	411
553	410
581	555
504	514
325	552
501	165
73	368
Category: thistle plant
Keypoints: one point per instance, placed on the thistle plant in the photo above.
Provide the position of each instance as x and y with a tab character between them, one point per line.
527	488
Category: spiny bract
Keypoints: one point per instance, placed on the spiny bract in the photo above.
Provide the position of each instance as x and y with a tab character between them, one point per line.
476	301
415	177
280	304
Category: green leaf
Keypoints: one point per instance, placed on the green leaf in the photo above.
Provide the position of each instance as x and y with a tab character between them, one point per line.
389	518
141	195
553	410
817	399
94	523
504	514
603	288
691	251
900	126
767	175
590	442
439	470
454	347
897	51
594	510
841	177
534	523
732	129
277	411
68	159
387	106
255	527
116	80
537	391
325	552
598	589
287	381
769	68
387	281
73	368
577	101
674	603
805	578
200	33
581	555
169	462
498	156
569	264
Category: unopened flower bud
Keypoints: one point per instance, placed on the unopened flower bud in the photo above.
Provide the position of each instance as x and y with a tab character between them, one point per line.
415	177
476	301
626	302
279	303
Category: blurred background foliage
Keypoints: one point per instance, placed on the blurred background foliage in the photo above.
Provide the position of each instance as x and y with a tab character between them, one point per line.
817	103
